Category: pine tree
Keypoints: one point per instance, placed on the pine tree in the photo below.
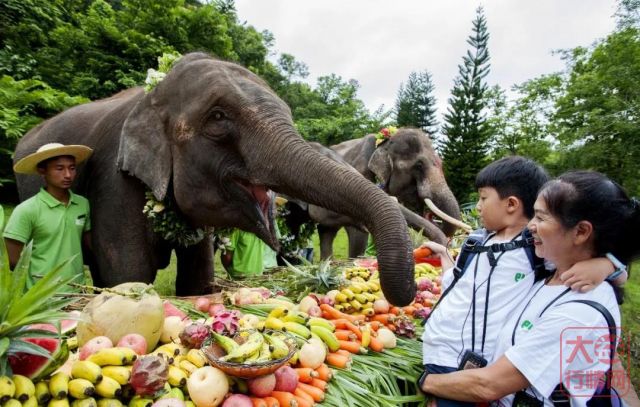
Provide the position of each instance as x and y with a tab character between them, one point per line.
466	131
415	105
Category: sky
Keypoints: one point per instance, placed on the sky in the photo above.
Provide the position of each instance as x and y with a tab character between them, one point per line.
380	42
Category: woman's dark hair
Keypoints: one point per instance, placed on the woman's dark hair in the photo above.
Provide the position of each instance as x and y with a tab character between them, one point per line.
514	176
591	196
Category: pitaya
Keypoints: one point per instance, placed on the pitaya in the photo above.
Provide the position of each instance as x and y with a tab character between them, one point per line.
404	326
225	322
149	375
422	313
193	335
424	284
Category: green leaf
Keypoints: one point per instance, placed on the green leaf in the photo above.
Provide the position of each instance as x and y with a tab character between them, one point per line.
4	345
17	346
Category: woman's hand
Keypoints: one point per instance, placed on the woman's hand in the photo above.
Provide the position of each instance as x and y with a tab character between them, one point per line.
588	274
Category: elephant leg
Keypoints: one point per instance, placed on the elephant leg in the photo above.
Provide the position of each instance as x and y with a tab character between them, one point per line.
357	242
327	235
195	268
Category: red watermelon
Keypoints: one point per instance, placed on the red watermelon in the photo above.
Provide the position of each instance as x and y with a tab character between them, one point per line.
66	325
34	366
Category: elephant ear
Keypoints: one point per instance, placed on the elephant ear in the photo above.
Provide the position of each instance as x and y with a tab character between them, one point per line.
144	150
381	165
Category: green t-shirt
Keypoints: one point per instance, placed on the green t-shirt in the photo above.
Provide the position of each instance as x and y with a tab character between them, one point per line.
1	218
56	231
371	247
248	252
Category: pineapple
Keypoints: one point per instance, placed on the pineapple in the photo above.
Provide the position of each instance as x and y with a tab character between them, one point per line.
20	308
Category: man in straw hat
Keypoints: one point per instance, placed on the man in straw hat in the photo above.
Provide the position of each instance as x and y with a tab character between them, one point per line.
56	219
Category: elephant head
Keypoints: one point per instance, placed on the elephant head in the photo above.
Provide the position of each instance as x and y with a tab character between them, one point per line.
216	138
408	168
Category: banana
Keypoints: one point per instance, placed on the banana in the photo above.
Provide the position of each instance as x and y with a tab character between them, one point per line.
88	402
298	329
314	321
12	403
361	298
59	386
138	401
265	352
177	377
172	349
84	369
280	348
129	354
109	403
31	402
274	324
278	312
339	307
24	388
297	317
373	286
368	312
196	357
7	388
355	289
178	359
294	359
189	403
108	388
254	343
356	305
120	374
163	355
228	344
72	343
187	366
42	392
81	388
348	293
108	356
63	402
174	393
366	335
340	298
327	337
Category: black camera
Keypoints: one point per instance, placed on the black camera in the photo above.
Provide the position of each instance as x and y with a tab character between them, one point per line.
471	360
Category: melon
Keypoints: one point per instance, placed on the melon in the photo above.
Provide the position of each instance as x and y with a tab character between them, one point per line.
35	366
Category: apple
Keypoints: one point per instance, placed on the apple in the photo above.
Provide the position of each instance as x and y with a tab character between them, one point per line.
134	341
202	304
207	386
95	344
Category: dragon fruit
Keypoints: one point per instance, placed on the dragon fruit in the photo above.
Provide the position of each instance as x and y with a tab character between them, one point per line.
422	313
149	375
194	334
424	284
225	322
404	326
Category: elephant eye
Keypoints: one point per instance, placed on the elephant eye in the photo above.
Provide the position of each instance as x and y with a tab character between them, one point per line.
217	115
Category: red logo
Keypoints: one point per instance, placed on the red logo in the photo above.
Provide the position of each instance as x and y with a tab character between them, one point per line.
578	342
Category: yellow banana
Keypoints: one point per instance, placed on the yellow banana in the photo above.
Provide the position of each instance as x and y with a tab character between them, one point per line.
314	321
84	369
109	403
42	392
355	289
63	402
278	312
138	401
228	344
296	317
7	388
24	388
88	402
274	323
108	388
280	348
340	298
366	335
177	377
298	329
120	374
59	386
368	312
12	403
81	388
174	393
361	298
108	356
31	402
294	359
187	366
129	354
265	352
171	349
254	343
327	337
348	293
196	357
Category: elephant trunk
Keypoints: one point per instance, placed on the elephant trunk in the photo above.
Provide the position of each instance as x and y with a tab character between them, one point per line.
298	170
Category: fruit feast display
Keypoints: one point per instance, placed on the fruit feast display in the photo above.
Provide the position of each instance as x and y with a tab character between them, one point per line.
262	345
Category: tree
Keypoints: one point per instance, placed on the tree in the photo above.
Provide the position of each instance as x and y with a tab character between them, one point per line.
466	129
415	105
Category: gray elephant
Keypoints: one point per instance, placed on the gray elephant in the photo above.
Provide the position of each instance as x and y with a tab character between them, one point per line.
213	138
405	166
329	222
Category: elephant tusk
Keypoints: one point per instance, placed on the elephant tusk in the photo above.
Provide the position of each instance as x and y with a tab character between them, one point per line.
446	217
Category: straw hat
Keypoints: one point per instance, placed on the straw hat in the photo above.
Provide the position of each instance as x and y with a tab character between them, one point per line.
29	164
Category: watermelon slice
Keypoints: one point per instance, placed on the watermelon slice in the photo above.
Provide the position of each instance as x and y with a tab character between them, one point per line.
66	325
171	310
36	367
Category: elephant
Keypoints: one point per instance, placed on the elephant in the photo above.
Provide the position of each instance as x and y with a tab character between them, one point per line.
405	166
213	139
329	222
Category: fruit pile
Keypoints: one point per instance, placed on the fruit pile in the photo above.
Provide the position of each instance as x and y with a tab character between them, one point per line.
357	297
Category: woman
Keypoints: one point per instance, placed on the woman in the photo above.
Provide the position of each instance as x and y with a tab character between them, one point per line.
580	215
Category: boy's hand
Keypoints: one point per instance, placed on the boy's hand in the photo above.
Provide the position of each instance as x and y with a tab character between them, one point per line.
588	274
442	252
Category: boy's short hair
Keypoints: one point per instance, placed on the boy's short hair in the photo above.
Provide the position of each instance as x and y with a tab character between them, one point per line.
514	176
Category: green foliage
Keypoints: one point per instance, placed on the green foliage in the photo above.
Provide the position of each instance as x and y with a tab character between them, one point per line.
466	130
24	104
416	104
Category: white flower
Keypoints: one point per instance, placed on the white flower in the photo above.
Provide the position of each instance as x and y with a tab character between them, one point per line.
159	207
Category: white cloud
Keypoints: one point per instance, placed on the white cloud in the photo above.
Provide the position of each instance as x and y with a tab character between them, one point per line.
379	42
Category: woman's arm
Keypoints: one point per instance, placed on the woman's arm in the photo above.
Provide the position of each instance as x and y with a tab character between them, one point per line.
486	384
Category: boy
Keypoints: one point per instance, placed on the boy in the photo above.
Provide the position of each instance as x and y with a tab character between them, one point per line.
56	219
470	313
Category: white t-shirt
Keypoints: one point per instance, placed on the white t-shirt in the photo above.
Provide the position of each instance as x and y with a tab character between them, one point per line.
448	330
577	331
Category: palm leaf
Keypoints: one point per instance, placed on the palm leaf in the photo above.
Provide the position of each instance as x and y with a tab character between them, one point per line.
20	273
5	280
20	346
4	345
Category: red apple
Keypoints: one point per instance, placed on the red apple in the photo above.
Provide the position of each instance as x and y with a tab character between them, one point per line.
134	341
93	345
